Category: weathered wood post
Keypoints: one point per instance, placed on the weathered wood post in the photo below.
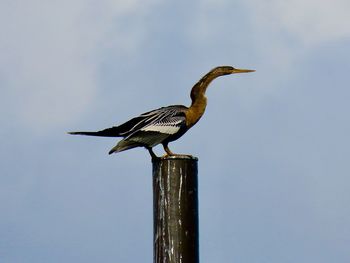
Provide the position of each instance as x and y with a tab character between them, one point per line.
175	208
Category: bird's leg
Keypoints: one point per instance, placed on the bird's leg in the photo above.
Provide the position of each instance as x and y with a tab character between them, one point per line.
170	153
167	150
151	152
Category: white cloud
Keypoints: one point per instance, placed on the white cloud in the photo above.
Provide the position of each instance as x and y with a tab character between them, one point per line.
309	21
49	54
277	29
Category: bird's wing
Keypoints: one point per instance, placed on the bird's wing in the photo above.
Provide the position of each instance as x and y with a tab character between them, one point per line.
158	125
162	117
166	120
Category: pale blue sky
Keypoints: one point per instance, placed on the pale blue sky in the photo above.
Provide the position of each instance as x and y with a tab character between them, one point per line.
273	146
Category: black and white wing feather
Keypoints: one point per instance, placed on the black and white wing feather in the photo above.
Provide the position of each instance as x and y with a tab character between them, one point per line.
152	128
164	120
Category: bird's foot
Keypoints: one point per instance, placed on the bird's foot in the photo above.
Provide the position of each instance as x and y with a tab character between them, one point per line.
170	153
176	154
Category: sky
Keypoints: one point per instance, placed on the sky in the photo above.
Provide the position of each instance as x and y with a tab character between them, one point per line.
273	146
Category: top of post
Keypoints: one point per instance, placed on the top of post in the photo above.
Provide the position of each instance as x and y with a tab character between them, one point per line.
178	157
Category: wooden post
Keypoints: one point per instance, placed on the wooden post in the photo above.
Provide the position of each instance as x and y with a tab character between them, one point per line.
175	208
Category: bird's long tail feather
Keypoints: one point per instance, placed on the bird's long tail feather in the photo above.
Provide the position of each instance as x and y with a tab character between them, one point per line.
110	132
84	133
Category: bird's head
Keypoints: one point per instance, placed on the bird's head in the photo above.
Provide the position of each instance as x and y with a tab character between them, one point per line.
227	70
200	87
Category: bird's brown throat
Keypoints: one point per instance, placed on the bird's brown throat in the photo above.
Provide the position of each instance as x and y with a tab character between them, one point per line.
195	112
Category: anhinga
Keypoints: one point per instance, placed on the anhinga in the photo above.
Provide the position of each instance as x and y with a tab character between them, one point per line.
165	124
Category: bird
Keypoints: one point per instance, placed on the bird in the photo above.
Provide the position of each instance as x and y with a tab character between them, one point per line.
166	124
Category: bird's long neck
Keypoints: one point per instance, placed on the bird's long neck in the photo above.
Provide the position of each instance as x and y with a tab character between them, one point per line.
199	100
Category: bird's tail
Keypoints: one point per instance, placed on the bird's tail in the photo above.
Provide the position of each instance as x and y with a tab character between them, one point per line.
124	145
110	132
84	133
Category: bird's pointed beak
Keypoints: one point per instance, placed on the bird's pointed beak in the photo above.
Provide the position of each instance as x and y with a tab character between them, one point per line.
237	70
